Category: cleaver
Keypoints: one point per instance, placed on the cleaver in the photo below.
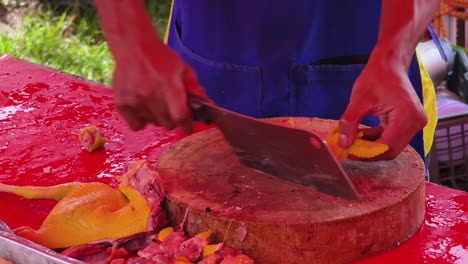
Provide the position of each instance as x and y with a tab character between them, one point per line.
291	154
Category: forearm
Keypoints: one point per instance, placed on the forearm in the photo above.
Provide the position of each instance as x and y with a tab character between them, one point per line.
126	25
402	24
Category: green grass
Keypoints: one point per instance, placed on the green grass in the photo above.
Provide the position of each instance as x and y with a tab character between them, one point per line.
71	40
159	11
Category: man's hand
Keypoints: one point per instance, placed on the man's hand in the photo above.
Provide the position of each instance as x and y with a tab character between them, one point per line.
151	82
152	87
384	90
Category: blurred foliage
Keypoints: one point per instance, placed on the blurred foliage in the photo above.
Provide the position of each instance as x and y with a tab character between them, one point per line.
66	35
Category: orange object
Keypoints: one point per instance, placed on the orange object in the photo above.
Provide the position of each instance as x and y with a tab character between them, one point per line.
332	141
209	249
449	8
361	148
182	260
88	212
91	138
291	121
204	235
164	233
366	149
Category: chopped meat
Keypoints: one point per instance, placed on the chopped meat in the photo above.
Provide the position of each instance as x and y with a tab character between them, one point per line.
91	138
139	260
225	255
168	247
148	183
361	147
175	238
112	249
160	259
211	259
242	232
239	259
89	252
176	245
192	248
137	242
227	251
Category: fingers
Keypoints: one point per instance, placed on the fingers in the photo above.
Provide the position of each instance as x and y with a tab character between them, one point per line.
191	87
400	130
124	103
396	141
134	121
372	133
153	105
349	122
178	107
177	99
396	131
160	100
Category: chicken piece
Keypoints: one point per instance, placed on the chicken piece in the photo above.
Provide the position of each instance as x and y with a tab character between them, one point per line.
109	251
91	138
360	148
175	247
163	234
166	247
239	259
88	212
181	260
218	253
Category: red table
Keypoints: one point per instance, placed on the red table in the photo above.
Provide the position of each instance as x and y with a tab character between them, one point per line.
42	110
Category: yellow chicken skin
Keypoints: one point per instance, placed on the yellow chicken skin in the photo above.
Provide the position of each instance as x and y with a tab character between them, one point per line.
88	212
360	148
91	138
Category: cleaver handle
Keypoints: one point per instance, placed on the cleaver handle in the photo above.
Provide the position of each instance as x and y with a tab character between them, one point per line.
200	109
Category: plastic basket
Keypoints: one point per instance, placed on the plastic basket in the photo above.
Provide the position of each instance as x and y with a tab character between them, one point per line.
449	155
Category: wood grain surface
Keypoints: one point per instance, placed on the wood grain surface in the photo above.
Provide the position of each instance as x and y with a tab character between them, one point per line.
275	221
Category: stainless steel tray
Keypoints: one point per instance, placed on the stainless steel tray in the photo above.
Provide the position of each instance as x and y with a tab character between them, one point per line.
22	251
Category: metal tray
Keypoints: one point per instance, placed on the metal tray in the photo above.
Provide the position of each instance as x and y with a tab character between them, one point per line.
22	251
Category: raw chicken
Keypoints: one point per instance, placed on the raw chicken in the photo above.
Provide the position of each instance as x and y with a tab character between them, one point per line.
91	138
167	247
361	147
88	212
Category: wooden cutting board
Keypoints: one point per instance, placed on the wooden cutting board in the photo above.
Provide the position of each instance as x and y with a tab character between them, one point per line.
275	221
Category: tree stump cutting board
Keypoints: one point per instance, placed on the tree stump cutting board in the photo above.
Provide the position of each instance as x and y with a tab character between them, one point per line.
275	221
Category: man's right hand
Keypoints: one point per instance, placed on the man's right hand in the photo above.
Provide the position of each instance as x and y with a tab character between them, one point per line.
151	82
152	86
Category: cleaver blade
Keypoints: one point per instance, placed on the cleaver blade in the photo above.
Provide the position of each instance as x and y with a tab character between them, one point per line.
291	154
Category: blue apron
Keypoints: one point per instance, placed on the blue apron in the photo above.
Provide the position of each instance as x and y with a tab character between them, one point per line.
267	58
